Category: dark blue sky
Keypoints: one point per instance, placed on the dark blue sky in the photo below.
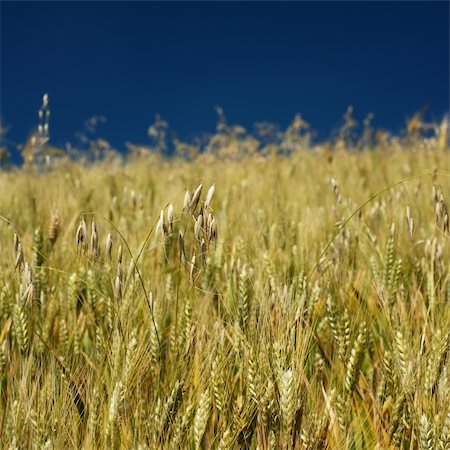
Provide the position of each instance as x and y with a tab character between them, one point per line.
259	61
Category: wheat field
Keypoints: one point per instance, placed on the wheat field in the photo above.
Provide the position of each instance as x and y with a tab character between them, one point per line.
264	302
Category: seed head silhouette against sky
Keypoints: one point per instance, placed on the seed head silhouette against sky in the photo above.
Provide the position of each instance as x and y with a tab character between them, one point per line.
264	61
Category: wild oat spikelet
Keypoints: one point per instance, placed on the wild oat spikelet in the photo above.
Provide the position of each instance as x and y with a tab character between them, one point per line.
441	210
195	199
94	240
170	218
108	246
203	252
198	227
16	242
19	257
160	226
53	229
131	268
28	274
409	222
119	255
210	195
186	201
181	247
118	288
192	270
212	235
207	222
81	235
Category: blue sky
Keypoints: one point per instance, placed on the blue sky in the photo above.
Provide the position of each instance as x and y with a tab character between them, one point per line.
128	61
